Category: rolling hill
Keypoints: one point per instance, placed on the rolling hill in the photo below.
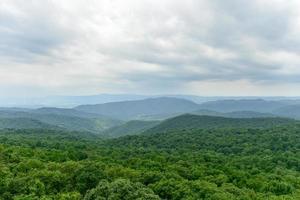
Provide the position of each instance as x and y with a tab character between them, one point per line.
189	121
228	142
64	118
24	123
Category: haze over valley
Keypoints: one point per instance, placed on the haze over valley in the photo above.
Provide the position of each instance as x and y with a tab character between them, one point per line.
100	118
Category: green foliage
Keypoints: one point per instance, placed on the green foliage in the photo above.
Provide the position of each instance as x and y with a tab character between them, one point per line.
189	121
120	189
191	164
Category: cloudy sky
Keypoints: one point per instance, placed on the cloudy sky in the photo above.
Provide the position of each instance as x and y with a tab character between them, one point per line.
201	47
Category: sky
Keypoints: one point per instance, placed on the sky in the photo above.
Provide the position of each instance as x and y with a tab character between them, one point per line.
200	47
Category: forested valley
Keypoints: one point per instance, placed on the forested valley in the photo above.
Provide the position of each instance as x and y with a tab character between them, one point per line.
150	151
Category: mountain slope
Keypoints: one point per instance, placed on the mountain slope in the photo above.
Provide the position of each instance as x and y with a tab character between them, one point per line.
74	123
230	142
128	110
65	118
189	121
65	111
130	128
24	123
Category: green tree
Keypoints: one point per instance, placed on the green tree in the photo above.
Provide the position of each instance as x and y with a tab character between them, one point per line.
120	189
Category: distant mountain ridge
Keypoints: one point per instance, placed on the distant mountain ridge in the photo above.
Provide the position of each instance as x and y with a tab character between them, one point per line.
64	101
289	111
115	118
167	107
24	123
54	117
257	105
254	108
128	110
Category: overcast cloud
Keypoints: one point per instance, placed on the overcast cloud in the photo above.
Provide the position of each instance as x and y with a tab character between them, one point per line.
202	47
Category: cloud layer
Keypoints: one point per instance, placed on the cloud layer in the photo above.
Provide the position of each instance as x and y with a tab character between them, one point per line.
203	47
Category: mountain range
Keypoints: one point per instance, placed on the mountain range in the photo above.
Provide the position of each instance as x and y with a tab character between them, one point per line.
121	118
166	107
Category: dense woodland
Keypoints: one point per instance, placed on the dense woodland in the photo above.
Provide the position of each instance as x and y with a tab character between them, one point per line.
127	151
224	163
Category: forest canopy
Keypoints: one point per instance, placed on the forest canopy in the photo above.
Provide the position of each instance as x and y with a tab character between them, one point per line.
223	163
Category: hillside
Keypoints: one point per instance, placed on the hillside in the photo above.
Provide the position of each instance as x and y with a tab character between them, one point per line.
75	123
65	112
189	121
137	126
65	118
128	110
24	123
130	128
225	141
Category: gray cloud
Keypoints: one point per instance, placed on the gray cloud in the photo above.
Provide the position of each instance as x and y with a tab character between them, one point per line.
150	46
